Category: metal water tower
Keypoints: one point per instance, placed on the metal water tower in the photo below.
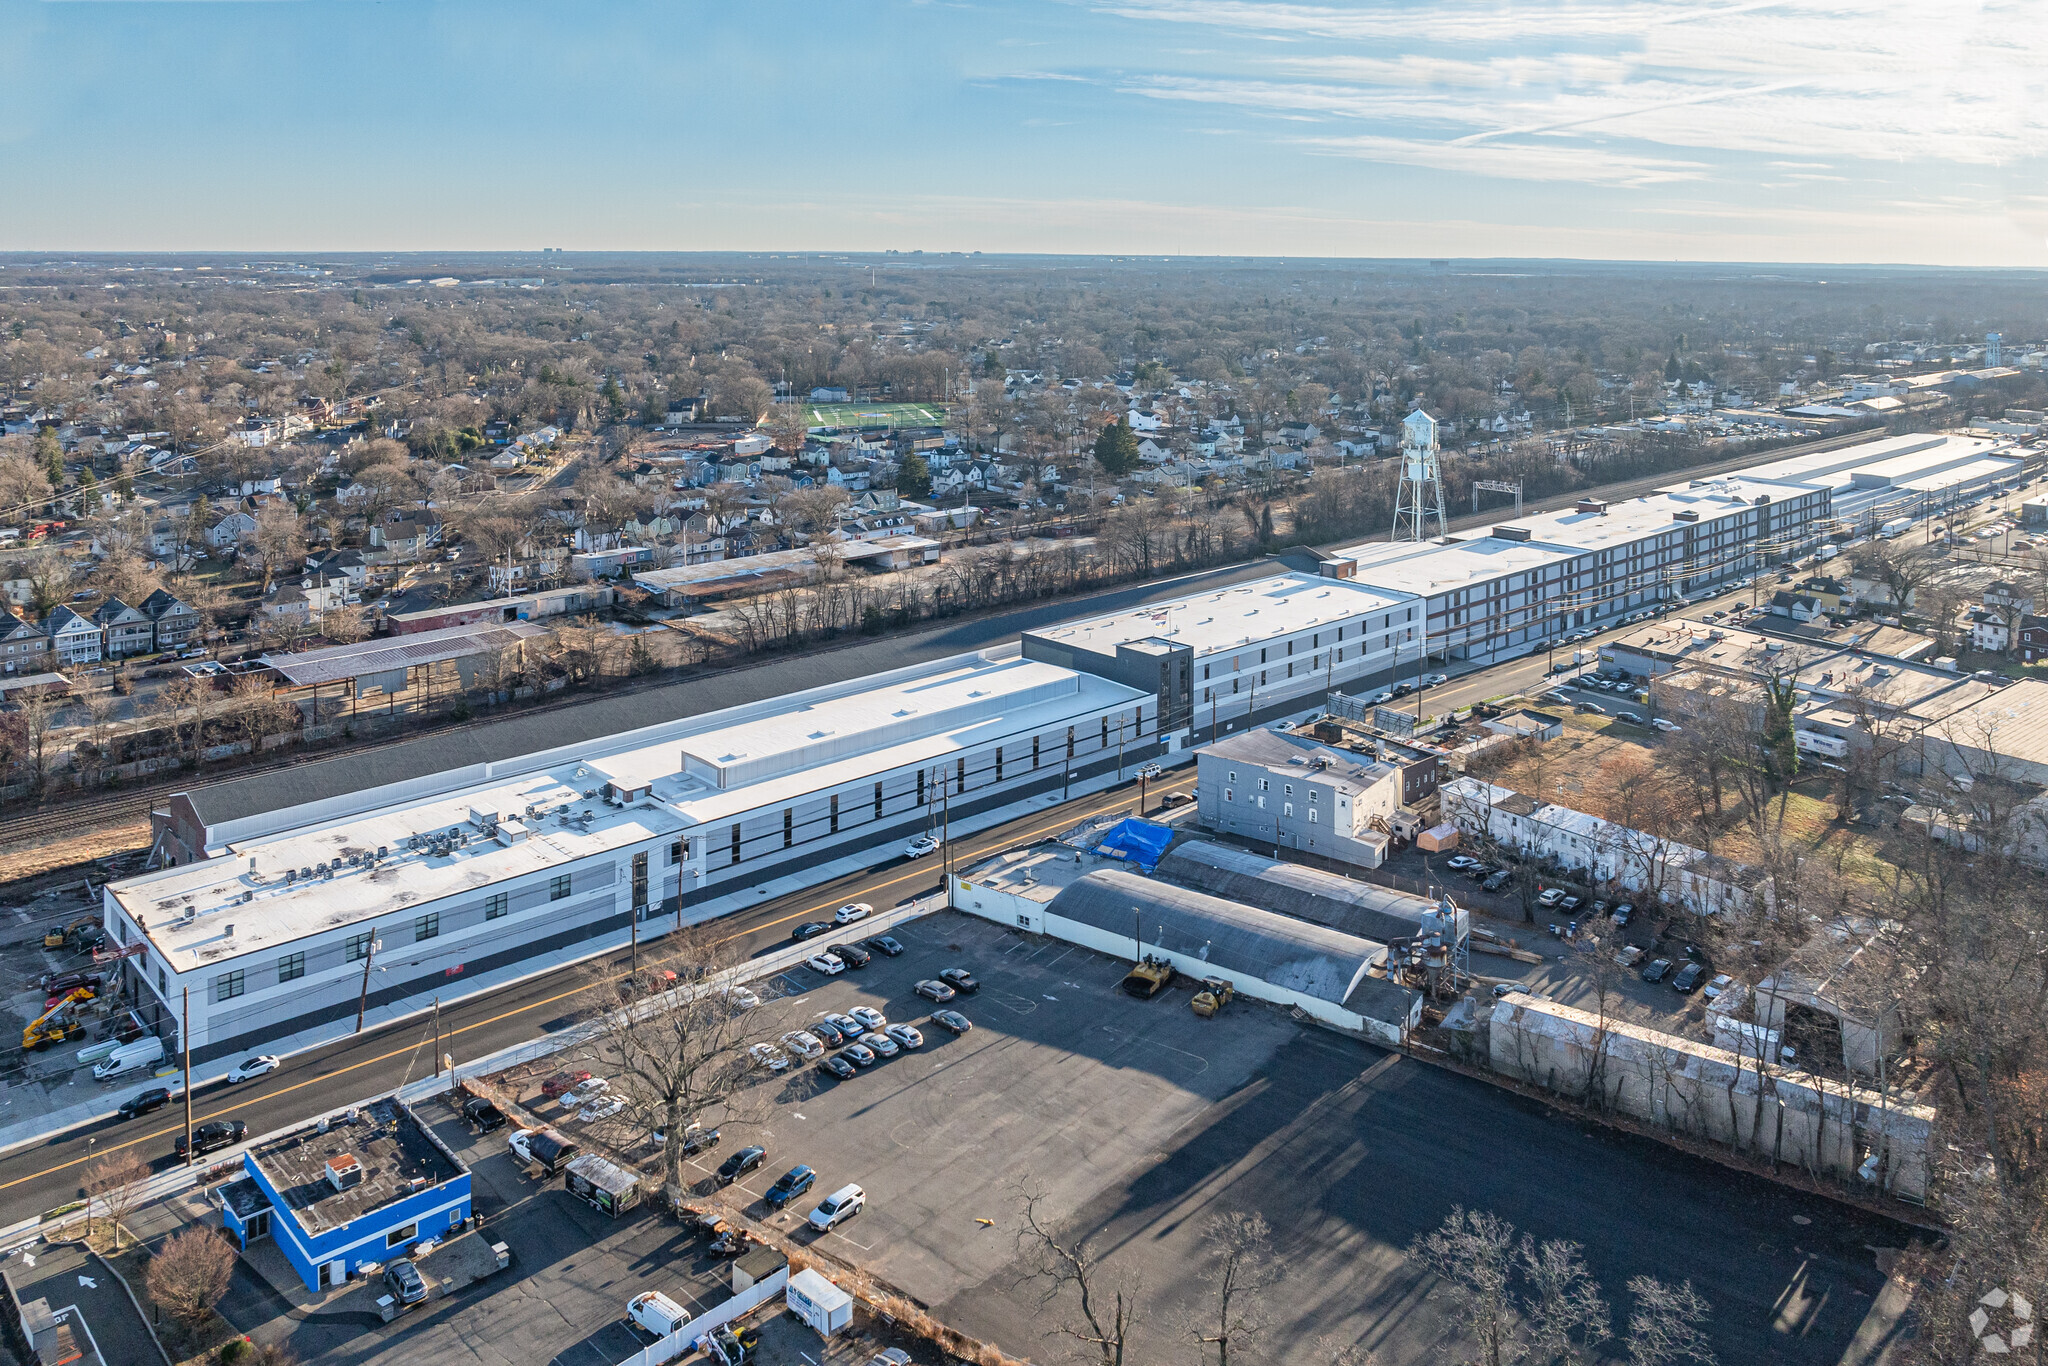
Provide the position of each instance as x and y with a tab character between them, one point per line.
1420	494
1992	342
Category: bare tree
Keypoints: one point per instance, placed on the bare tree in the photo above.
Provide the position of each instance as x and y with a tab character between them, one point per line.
114	1180
279	540
1472	1255
674	1058
1568	1319
1099	1309
1243	1269
189	1276
38	712
1666	1327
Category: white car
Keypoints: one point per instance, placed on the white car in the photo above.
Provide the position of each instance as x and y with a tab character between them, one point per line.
1380	698
585	1094
919	847
602	1108
1661	724
769	1056
1458	863
742	999
1434	679
1715	988
1550	898
1150	773
870	1017
251	1068
803	1045
852	911
828	963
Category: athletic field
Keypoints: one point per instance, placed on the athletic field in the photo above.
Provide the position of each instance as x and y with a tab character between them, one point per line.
875	415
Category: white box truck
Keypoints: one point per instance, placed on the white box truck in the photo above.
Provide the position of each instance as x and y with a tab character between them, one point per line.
1897	526
130	1057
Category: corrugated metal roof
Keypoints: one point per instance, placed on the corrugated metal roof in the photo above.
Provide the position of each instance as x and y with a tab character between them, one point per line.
1357	908
338	662
1288	953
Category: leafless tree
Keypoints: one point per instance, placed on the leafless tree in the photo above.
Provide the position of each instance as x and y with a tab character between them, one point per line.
1098	1310
681	1056
1666	1326
1472	1255
279	540
1568	1319
1242	1269
114	1181
38	715
189	1275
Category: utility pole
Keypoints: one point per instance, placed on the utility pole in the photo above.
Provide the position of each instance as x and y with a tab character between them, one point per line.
437	1036
185	1041
633	960
363	999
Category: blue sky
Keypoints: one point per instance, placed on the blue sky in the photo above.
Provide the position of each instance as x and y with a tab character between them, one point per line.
1739	130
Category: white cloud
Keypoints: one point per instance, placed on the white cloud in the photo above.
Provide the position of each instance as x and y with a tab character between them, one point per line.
1519	161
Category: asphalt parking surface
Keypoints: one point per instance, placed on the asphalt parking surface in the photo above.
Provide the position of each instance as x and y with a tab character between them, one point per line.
1138	1120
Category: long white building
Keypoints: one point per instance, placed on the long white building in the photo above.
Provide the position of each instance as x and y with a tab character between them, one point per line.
293	897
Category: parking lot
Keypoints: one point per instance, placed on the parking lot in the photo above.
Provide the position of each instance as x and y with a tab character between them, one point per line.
1137	1119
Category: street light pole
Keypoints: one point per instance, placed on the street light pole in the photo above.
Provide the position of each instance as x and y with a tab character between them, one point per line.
185	1040
363	998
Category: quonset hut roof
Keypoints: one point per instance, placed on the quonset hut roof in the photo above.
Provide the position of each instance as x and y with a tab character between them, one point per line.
1290	954
1355	908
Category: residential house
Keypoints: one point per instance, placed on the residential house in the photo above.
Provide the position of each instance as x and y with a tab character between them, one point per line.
1988	633
231	530
1798	606
682	410
1830	593
73	639
1287	791
1299	433
257	431
124	630
1145	420
2033	639
338	564
1872	593
2002	596
405	538
173	622
829	394
23	646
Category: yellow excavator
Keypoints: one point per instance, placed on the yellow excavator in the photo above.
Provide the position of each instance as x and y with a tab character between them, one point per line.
59	1022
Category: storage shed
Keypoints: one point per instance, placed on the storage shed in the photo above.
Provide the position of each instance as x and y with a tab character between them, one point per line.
603	1185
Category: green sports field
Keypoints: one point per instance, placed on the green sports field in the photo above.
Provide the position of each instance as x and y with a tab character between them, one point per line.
875	414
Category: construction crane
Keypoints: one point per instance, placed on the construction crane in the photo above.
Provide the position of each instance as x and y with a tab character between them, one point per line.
59	1022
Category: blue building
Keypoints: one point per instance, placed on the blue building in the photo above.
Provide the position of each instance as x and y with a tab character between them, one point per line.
363	1187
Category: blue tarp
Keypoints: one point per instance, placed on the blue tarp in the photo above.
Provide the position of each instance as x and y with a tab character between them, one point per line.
1141	842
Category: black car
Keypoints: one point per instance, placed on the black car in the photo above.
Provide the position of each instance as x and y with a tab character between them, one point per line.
155	1098
828	1034
1688	977
810	929
789	1186
961	980
884	945
482	1115
740	1163
407	1285
832	1065
849	955
1656	970
215	1133
952	1020
1497	881
1624	913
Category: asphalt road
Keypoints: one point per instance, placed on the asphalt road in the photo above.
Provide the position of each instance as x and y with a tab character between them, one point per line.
47	1173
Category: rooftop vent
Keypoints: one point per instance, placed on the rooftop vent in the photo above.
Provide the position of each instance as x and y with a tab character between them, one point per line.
343	1171
228	931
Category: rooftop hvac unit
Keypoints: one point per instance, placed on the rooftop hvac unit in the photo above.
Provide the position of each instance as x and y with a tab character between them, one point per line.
291	875
344	1172
248	897
589	792
229	931
383	851
192	912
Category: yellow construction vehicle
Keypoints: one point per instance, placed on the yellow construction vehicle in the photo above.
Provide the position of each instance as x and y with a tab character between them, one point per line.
54	938
59	1022
1148	978
1214	995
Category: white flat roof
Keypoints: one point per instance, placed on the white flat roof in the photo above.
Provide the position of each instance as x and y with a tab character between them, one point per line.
1975	471
698	775
1422	568
1244	613
1895	457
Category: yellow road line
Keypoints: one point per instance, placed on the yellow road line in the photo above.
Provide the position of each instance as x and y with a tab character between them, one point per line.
1070	818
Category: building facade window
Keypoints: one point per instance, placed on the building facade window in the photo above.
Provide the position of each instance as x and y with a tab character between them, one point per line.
402	1235
960	777
639	879
1034	752
228	985
291	967
788	826
835	813
160	987
735	841
675	853
878	801
497	907
427	926
558	888
999	763
357	946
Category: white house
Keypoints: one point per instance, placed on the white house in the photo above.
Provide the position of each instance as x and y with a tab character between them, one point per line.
231	530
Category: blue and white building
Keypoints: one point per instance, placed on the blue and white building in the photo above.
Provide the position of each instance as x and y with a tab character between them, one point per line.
356	1189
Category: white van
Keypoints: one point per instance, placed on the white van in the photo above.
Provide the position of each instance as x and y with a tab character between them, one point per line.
657	1313
838	1207
130	1057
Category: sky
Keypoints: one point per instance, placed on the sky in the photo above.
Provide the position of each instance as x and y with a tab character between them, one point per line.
1748	130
